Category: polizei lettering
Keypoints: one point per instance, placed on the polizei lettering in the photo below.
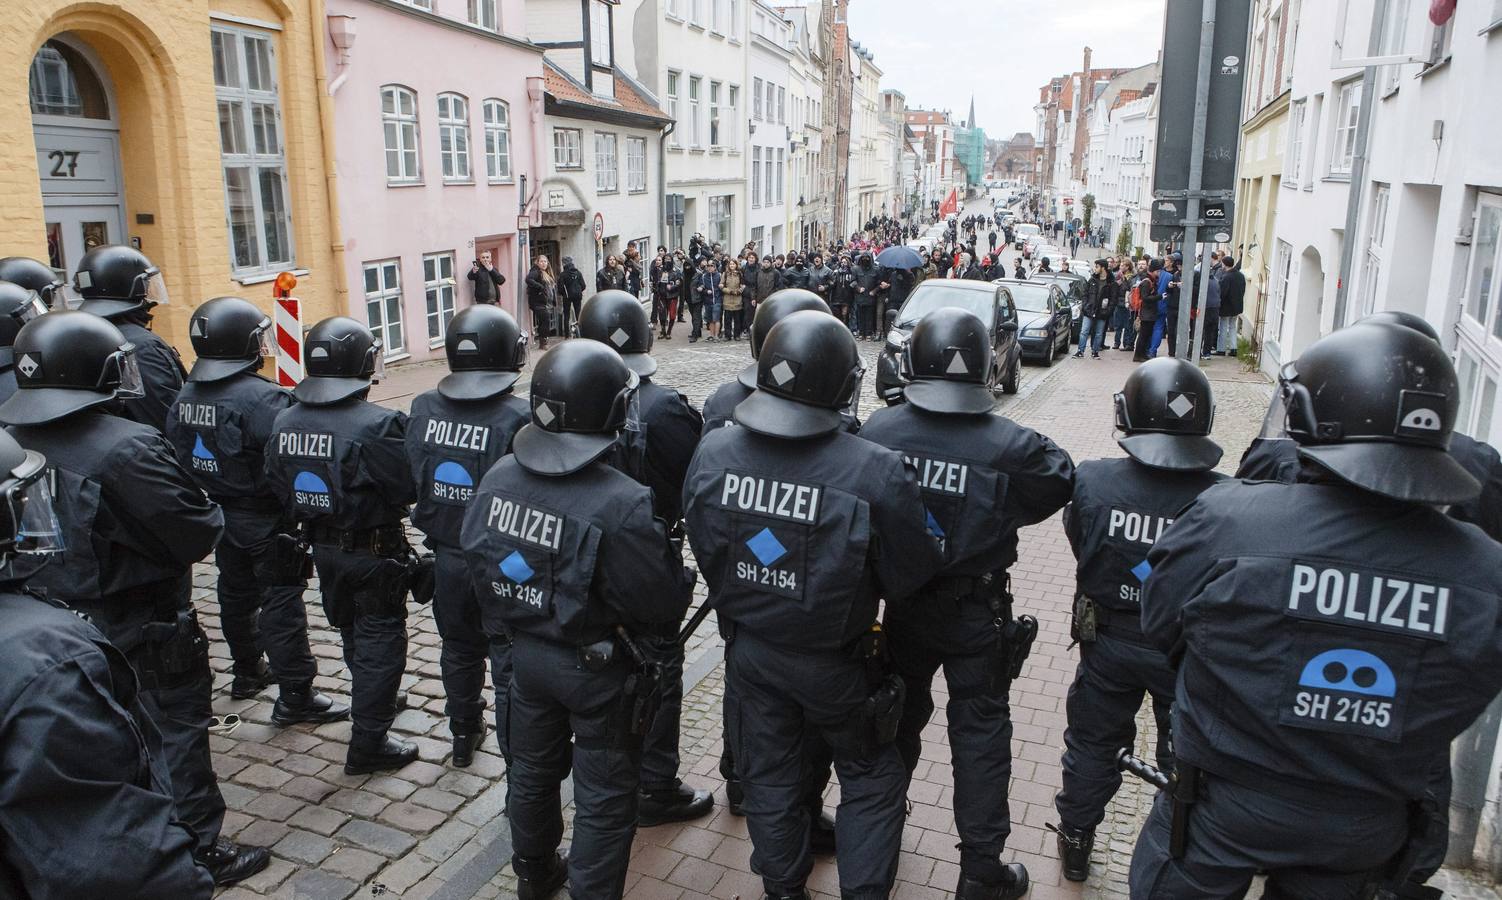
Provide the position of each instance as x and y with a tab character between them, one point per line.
300	443
523	523
1139	528
458	435
782	499
1374	601
940	475
198	415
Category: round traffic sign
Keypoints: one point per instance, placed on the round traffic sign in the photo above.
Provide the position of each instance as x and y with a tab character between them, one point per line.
599	227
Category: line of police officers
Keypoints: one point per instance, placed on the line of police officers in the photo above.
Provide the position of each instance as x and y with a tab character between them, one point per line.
1321	641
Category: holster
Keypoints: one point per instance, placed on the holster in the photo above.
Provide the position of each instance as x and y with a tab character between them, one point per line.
291	560
384	593
172	652
1084	623
1185	784
883	710
643	692
421	578
1014	636
1395	884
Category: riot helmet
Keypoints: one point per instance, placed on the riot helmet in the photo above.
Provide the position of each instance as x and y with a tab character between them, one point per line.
341	358
948	357
778	306
18	305
230	336
114	279
616	319
28	520
486	351
583	395
37	276
69	361
1405	319
1165	412
806	376
1374	405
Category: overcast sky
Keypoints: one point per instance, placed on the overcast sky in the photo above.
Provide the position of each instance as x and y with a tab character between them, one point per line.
939	52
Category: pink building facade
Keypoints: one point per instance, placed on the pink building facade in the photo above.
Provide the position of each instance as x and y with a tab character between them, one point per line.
437	110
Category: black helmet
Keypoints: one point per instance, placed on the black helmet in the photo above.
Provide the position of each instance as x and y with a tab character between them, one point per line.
37	276
18	305
1165	412
342	358
1375	405
68	361
486	351
948	357
1405	319
28	522
778	306
230	336
616	319
582	395
805	378
116	279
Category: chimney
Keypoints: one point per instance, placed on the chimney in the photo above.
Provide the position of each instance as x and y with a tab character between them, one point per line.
1086	70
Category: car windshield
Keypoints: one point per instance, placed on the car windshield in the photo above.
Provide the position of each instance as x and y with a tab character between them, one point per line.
928	298
1030	297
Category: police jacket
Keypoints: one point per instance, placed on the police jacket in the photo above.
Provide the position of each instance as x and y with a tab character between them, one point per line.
568	558
219	430
450	445
1120	507
1270	459
1333	642
131	516
342	466
798	539
86	805
982	478
671	427
719	409
162	375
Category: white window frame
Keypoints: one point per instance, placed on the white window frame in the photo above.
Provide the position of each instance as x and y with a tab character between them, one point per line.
1371	271
716	16
755	177
781	169
756	99
497	117
674	79
1345	119
716	129
732	134
607	163
1293	163
599	37
721	218
673	10
636	165
782	102
483	13
407	130
695	90
1277	296
387	297
439	294
572	146
1394	31
1479	318
733	31
696	12
263	156
768	179
1478	393
453	138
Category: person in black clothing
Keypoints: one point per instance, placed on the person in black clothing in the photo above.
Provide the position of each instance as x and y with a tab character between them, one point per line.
1147	310
868	285
612	276
487	280
842	292
1232	303
542	299
1019	271
667	284
571	288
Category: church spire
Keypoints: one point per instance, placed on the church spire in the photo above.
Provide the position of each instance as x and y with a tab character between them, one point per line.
972	112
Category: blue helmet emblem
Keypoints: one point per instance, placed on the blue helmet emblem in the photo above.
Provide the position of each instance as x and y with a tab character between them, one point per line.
765	546
1353	671
309	483
199	450
450	472
934	528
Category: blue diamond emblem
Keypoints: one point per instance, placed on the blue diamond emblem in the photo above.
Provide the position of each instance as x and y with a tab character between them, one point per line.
766	547
1142	570
515	568
934	528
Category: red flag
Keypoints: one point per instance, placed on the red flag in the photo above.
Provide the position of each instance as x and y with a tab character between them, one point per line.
1440	11
951	204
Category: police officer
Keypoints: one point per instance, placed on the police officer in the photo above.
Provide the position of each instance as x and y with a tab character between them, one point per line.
120	284
35	276
565	551
134	523
338	463
670	429
800	528
18	305
80	761
219	427
455	433
982	477
1332	636
1120	506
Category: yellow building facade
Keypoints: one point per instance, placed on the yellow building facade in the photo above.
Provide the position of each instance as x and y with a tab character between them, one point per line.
1260	170
194	130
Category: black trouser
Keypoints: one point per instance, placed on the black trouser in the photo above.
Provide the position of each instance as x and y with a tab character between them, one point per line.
466	647
1113	675
733	319
958	636
361	598
775	698
1308	848
866	318
696	310
260	607
1144	339
553	699
1210	335
569	310
659	760
662	311
542	322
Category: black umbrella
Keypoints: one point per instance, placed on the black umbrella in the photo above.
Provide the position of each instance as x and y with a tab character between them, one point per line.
900	257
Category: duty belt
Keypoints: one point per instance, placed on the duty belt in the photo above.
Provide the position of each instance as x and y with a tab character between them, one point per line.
1119	624
382	540
964	587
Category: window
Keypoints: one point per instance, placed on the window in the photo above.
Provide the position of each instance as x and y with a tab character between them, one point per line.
1371	272
497	140
250	146
694	138
606	170
768	179
1347	112
717	16
567	148
636	165
599	32
383	304
781	169
1293	165
733	30
756	177
732	115
675	8
438	288
782	102
1278	296
771	102
696	15
453	136
399	121
1439	41
719	219
756	99
673	108
482	13
1476	406
1394	29
714	113
1483	287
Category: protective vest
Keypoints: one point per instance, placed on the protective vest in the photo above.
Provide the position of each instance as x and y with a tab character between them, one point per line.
341	466
450	445
218	429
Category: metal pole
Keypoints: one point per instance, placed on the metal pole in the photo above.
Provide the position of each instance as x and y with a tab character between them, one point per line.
1193	203
1358	166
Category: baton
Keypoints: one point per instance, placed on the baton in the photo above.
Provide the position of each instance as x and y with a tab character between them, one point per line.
1126	762
699	616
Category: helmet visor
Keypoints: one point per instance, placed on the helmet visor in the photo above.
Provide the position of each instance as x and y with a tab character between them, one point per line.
857	379
1275	423
378	369
38	531
156	288
29	310
123	373
262	340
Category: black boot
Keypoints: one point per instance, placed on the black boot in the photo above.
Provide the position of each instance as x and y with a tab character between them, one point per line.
1075	845
735	795
539	878
228	862
820	833
248	684
800	895
1012	885
306	705
390	753
467	737
677	804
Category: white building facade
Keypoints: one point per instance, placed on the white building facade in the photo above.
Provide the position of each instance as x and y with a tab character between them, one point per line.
768	69
810	214
864	198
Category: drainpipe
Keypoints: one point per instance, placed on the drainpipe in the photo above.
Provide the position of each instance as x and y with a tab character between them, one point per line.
529	201
662	183
316	13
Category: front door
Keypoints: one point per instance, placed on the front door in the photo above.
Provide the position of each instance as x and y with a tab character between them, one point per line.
81	195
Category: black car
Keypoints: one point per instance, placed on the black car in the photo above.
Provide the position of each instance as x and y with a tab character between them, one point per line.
1073	285
991	302
1044	319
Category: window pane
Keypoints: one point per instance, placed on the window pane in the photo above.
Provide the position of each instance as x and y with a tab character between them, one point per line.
1483	263
226	60
258	75
274	216
372	284
242	218
231	127
263	125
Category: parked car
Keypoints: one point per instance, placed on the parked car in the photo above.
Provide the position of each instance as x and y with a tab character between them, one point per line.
1074	290
1044	319
991	302
1022	232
